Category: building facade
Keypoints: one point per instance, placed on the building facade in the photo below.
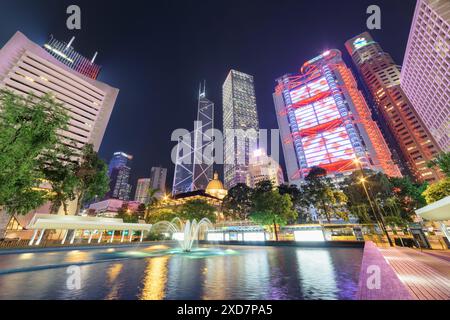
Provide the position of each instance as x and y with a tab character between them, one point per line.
240	126
203	163
193	165
324	121
262	167
425	75
382	77
65	53
119	175
141	194
158	177
25	67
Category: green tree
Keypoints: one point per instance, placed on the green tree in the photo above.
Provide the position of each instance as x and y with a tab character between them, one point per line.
59	167
127	215
28	126
437	191
196	209
299	200
320	191
151	201
273	209
443	162
237	204
92	174
160	214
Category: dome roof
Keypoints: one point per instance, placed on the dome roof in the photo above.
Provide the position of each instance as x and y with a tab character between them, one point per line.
215	184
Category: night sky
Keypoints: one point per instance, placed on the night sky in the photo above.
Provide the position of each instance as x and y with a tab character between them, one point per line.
157	52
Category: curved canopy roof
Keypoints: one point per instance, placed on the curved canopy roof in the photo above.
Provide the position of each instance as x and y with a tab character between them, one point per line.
437	211
52	221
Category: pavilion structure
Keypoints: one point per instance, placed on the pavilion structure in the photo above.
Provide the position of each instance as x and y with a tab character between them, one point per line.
95	226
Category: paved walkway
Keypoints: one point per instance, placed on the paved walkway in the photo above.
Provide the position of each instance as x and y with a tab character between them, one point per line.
426	276
389	287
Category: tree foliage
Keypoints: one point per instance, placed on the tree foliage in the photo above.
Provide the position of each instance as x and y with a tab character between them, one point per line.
238	202
437	191
442	161
29	125
92	175
272	209
196	209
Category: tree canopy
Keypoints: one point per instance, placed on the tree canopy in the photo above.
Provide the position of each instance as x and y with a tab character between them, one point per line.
29	126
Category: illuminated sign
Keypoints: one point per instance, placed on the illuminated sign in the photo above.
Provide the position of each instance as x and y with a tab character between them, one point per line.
315	235
360	42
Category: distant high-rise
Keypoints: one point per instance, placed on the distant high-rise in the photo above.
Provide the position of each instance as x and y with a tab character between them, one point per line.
26	67
425	75
158	180
324	121
239	113
262	167
119	174
141	194
65	53
382	77
193	166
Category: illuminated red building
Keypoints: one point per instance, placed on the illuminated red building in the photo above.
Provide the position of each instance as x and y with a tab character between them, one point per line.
325	121
381	75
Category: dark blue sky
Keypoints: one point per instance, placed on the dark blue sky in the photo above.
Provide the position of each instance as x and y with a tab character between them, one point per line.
156	53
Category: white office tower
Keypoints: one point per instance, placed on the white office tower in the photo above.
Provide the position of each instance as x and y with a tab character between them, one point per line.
25	68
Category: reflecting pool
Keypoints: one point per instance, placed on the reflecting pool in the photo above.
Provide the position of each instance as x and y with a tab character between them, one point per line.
160	271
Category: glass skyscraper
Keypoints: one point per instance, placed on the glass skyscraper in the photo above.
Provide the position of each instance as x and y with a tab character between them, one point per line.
119	174
239	113
324	121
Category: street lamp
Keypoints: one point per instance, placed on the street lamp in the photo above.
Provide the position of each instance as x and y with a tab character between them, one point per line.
376	213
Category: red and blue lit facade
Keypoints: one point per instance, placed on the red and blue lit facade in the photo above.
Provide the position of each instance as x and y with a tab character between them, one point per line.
322	126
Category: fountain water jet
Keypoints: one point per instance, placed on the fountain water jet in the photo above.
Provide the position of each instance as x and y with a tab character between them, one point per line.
188	229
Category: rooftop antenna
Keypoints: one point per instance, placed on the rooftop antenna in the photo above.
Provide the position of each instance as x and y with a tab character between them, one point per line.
202	91
70	42
95	56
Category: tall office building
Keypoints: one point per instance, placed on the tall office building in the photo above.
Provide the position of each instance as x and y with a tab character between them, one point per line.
239	113
425	76
26	67
382	77
119	174
203	163
141	194
324	121
262	167
193	165
158	180
65	53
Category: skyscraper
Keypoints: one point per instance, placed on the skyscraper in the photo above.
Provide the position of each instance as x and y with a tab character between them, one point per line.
141	194
193	165
26	67
158	180
262	167
239	113
324	121
65	53
382	77
119	174
425	76
203	163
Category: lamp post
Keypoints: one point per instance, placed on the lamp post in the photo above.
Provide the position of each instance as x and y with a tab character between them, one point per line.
376	213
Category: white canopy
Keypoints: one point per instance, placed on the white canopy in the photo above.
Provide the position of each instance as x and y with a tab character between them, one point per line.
52	221
437	211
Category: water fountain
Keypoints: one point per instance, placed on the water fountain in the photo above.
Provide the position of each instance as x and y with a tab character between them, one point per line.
186	232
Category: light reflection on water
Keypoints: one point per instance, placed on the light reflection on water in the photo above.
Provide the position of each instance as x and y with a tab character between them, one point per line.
160	272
